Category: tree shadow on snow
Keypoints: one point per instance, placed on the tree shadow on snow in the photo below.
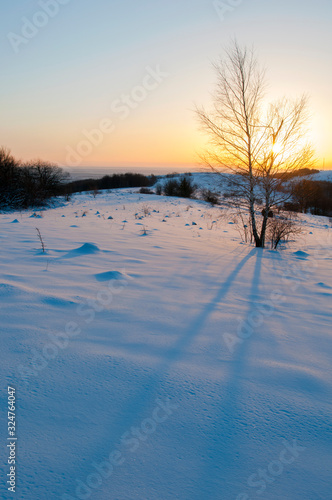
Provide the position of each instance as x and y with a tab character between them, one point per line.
224	450
143	402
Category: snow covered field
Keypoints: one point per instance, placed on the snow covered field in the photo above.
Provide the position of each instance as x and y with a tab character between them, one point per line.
156	357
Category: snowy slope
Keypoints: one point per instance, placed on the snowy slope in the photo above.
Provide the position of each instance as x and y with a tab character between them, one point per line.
194	366
323	175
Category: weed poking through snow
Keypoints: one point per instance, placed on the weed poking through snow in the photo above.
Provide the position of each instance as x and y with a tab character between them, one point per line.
41	239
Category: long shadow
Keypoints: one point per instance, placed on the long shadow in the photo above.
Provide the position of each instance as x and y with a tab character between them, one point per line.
224	449
138	407
174	354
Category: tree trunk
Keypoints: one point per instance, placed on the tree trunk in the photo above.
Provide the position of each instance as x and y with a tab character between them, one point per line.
259	243
253	218
254	228
264	226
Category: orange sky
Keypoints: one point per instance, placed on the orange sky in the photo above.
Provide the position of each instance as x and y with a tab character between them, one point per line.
117	85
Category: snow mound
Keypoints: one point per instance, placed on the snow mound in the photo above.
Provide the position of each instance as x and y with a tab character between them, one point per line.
323	285
42	252
85	249
7	290
109	275
301	255
57	302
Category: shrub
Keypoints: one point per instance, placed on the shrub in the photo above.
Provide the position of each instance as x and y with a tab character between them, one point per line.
280	228
186	188
171	187
145	190
183	188
146	210
159	189
210	196
231	194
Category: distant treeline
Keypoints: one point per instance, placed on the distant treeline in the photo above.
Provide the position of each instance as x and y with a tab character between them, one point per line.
32	184
115	181
301	172
307	195
311	196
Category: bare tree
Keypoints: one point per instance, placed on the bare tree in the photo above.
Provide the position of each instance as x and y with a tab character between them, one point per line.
41	180
261	144
48	175
10	192
27	184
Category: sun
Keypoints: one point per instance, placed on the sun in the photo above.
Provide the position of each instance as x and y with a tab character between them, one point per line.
277	148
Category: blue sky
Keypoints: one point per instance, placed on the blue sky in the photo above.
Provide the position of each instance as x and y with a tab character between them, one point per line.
63	80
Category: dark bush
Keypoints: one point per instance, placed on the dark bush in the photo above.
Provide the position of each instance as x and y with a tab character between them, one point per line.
280	229
186	188
210	196
183	188
145	190
159	189
171	188
231	194
291	206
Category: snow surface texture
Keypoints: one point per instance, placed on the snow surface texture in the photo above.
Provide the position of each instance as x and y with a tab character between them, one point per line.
157	359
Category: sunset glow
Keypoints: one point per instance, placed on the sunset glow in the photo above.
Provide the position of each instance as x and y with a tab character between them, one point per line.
115	84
